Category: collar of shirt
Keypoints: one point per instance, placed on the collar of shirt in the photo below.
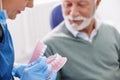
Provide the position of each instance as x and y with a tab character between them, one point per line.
83	35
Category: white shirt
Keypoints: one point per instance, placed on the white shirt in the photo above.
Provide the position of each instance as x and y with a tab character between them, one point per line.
83	35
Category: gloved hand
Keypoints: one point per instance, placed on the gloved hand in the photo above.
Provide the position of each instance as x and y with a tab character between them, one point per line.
18	70
38	70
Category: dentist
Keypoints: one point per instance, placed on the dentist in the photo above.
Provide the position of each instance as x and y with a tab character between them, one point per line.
38	70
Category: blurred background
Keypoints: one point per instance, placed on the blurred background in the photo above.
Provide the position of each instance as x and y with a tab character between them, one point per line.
33	24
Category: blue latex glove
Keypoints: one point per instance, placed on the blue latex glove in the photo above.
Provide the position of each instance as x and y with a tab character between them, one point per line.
18	70
38	70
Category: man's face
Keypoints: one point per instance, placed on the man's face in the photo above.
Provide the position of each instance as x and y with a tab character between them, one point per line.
78	11
14	7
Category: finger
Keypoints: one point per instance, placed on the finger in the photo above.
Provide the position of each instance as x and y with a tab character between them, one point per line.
39	67
48	71
41	59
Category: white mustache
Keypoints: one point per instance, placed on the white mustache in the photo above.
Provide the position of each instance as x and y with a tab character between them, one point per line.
76	18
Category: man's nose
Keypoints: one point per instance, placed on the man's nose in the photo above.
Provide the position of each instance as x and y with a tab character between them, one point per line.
74	11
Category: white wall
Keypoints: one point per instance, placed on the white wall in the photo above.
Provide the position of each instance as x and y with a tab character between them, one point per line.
109	11
33	24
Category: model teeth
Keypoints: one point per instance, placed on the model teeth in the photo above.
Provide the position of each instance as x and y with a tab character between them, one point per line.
56	60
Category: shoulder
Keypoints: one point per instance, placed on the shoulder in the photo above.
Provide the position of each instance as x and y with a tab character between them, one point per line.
107	26
55	33
109	29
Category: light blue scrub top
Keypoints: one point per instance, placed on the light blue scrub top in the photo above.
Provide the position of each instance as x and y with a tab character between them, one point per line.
6	51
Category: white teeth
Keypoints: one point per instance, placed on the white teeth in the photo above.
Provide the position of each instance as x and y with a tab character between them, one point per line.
56	59
50	59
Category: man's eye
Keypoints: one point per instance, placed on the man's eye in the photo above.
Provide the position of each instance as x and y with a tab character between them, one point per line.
83	4
66	4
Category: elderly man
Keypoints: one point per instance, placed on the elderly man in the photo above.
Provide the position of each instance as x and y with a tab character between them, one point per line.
91	46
